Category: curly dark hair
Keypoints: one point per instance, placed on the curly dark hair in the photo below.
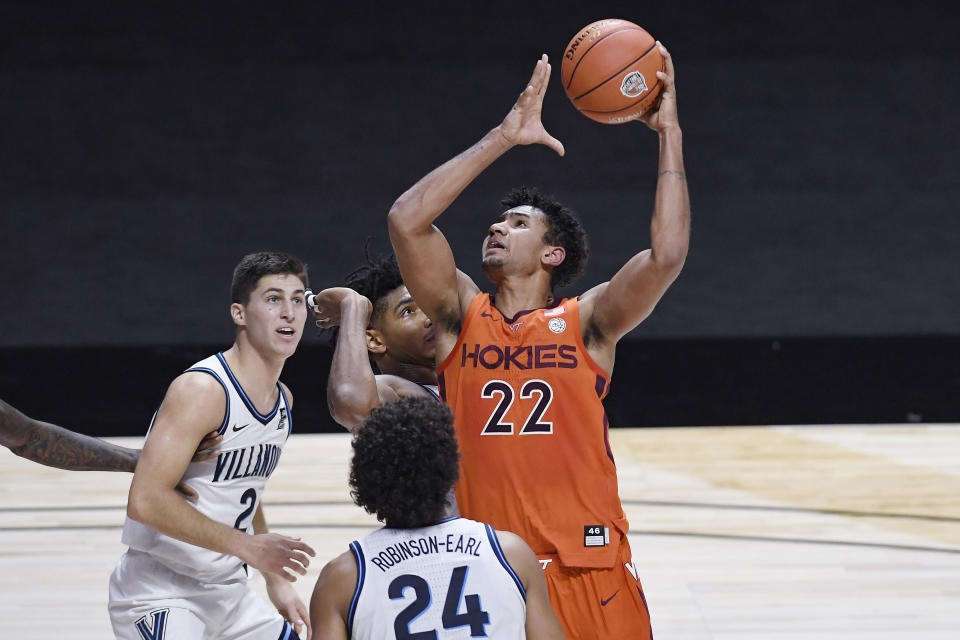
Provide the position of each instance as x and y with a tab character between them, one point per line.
405	461
254	266
375	279
563	230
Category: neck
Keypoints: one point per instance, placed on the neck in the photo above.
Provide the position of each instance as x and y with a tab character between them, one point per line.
258	374
414	372
514	295
449	511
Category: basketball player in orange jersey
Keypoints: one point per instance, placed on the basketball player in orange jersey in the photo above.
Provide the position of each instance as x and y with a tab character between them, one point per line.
525	373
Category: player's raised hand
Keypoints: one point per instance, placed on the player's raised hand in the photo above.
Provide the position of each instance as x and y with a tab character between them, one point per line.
523	125
289	604
277	554
663	115
327	305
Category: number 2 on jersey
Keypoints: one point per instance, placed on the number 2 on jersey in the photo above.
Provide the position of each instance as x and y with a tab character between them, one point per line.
474	617
249	498
533	424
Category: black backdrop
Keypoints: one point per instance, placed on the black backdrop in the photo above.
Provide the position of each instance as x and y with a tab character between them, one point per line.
144	148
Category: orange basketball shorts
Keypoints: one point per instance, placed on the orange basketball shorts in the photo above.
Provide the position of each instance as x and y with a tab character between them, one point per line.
598	604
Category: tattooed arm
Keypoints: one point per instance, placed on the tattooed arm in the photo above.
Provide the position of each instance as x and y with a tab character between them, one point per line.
55	446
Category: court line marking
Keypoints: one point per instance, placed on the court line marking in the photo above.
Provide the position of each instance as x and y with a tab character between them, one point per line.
638	532
759	507
654	503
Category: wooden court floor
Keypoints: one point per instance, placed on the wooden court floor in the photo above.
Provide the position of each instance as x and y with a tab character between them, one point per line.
772	533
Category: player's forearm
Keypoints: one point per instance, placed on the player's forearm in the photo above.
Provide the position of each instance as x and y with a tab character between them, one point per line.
164	510
352	386
259	523
670	226
421	204
55	446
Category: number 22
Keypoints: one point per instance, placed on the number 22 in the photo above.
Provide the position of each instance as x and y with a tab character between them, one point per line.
533	425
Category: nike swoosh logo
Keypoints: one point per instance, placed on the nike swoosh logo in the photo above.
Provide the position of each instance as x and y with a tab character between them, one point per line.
236	428
603	603
484	314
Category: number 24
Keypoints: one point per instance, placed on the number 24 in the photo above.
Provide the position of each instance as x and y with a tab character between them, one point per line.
474	616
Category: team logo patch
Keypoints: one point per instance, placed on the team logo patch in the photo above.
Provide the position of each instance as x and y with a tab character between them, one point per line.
557	325
156	628
633	84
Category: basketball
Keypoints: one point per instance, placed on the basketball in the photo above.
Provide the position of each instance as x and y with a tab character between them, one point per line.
609	71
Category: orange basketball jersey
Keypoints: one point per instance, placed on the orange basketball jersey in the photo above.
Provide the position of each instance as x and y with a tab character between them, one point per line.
532	431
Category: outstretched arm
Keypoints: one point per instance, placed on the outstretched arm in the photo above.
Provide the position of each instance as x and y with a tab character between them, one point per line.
55	446
426	261
630	296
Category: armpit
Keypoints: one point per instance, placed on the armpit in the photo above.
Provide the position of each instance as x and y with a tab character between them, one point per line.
592	335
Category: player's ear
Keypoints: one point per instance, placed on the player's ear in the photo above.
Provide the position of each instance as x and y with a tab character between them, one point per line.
375	342
238	314
553	256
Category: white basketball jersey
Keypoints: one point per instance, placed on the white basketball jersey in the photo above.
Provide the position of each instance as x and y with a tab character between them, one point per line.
229	486
432	389
449	581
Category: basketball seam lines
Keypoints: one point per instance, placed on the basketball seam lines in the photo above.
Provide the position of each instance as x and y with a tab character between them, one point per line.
584	54
616	73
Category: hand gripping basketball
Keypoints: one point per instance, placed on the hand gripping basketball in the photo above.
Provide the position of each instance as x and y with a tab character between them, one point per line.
663	115
611	71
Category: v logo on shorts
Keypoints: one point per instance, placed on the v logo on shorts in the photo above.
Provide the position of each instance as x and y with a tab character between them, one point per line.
158	627
603	603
